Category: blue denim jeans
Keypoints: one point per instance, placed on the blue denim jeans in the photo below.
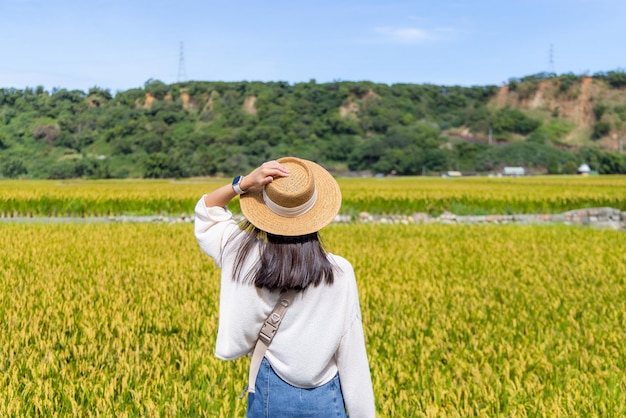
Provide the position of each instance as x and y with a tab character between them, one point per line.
276	398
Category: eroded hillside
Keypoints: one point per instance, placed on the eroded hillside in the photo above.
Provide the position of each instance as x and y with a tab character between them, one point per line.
596	112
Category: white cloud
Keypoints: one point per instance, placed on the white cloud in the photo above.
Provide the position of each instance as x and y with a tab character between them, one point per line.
406	35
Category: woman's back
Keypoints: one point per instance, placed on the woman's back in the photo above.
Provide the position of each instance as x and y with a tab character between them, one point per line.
320	340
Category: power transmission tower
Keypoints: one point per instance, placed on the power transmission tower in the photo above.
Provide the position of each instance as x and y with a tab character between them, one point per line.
552	70
182	73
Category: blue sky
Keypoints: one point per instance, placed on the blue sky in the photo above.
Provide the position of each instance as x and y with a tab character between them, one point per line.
120	44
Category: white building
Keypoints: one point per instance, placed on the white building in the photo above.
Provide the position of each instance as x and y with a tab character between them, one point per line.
514	171
584	169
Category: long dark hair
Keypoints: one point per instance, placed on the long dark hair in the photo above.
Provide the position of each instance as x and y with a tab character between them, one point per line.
284	262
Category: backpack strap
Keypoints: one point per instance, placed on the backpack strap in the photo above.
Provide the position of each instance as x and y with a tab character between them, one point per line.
266	335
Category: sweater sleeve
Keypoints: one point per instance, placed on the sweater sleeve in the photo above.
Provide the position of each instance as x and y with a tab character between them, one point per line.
354	372
213	226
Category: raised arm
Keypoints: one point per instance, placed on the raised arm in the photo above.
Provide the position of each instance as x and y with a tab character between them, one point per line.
258	178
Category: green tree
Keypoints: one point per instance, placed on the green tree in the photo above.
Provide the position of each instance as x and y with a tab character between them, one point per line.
600	129
161	165
156	88
12	167
616	79
513	121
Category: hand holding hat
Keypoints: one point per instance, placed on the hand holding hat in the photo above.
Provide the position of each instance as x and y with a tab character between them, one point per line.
264	174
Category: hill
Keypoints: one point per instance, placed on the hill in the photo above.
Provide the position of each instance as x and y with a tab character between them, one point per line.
594	108
543	122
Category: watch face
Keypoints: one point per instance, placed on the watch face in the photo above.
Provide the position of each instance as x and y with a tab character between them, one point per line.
236	180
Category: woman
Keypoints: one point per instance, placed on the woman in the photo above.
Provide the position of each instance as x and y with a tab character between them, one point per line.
316	364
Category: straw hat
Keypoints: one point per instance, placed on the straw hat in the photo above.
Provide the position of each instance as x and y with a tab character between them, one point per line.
302	203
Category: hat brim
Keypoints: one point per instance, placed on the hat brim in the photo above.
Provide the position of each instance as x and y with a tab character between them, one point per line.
321	214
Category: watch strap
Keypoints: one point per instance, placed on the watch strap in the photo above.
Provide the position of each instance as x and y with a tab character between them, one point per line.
237	185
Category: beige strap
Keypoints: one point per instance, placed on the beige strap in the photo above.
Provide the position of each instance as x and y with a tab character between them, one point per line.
266	335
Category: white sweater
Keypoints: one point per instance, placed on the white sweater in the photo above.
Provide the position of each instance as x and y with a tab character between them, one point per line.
321	334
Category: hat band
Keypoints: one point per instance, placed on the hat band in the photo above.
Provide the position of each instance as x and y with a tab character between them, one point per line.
290	212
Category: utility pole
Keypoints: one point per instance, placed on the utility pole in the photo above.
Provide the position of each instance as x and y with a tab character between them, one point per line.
182	73
490	132
552	60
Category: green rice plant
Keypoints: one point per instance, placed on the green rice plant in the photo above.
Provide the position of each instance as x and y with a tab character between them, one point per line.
393	195
481	195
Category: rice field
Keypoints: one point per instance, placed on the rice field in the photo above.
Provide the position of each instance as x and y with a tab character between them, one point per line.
101	320
392	195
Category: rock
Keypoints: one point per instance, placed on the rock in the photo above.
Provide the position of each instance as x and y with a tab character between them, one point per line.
421	217
342	218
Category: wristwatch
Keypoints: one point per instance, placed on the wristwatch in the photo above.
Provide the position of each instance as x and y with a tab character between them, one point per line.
237	185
